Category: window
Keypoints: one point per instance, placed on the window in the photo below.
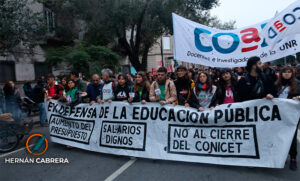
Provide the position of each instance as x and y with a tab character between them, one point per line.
7	71
41	69
166	43
49	19
167	62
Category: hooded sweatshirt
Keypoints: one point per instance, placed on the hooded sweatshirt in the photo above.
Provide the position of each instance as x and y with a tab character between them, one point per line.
121	93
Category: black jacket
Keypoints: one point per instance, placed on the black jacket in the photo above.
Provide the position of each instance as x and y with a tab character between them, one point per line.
185	93
250	88
143	96
121	93
219	96
271	74
81	85
38	94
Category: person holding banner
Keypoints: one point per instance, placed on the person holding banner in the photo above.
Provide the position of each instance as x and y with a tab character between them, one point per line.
54	90
163	90
141	88
93	89
71	96
204	91
287	88
255	85
107	94
121	92
226	92
184	87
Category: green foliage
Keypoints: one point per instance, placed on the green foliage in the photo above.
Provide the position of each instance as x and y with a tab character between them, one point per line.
84	58
79	60
57	55
19	24
135	25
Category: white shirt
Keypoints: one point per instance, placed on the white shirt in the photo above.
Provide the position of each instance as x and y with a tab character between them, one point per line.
285	92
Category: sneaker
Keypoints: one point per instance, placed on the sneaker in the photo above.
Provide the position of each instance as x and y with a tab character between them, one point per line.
293	164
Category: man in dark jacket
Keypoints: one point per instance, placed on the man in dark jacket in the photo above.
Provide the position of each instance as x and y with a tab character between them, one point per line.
81	86
184	88
93	89
255	85
270	72
39	99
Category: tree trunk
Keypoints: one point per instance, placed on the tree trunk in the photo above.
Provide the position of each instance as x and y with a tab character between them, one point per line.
145	56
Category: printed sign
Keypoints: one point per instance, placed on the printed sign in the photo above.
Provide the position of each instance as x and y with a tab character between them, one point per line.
242	134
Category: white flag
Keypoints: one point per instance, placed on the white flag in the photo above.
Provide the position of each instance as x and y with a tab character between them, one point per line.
284	24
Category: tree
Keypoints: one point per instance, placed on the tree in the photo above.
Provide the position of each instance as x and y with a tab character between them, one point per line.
137	24
84	58
19	25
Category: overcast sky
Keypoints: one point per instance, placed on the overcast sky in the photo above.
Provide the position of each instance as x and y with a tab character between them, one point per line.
249	12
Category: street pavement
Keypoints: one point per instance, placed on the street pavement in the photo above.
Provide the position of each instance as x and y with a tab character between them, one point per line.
85	165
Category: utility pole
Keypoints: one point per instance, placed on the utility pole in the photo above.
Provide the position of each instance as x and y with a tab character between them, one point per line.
162	52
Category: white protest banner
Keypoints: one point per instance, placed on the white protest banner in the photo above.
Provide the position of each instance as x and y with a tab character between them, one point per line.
199	44
254	133
283	25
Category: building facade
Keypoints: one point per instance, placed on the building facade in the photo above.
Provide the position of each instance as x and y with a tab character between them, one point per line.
164	50
21	65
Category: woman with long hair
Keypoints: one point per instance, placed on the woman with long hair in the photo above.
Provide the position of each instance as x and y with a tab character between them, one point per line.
287	88
141	89
226	92
204	91
71	95
122	89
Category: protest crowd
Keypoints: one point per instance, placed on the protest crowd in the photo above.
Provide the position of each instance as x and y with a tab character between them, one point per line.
198	88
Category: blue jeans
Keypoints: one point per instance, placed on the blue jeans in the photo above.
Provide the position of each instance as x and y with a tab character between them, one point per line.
42	108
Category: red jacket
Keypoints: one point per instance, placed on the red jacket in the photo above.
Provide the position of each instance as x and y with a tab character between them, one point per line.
55	91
